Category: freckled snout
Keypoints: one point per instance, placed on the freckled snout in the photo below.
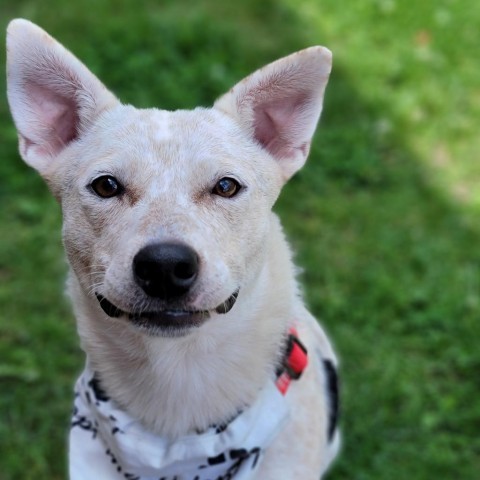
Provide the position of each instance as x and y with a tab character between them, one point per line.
166	270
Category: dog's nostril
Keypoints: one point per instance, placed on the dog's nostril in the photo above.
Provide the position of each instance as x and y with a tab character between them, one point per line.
165	270
184	271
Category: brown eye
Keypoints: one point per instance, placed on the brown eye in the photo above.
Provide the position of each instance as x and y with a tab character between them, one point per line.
226	187
106	186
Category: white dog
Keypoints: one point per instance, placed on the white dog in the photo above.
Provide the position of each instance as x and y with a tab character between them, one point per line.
181	279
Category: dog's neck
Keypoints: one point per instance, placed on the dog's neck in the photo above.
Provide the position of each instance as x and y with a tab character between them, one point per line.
175	386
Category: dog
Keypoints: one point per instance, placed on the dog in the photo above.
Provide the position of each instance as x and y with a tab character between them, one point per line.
202	361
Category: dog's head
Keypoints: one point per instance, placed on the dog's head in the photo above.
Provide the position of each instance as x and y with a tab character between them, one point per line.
166	214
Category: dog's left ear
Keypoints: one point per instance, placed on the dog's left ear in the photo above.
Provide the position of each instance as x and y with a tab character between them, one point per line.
281	103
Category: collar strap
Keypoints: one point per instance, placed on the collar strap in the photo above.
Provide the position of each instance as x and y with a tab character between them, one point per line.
293	363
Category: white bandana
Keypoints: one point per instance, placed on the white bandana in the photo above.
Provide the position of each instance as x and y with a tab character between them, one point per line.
107	444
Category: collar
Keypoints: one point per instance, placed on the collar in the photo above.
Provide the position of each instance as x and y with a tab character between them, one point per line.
294	362
105	442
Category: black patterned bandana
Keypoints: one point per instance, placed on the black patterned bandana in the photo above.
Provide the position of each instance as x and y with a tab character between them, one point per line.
107	444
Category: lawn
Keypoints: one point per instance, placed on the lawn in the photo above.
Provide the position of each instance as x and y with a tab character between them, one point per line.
383	219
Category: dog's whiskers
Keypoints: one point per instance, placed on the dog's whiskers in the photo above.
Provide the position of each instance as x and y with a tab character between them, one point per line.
94	287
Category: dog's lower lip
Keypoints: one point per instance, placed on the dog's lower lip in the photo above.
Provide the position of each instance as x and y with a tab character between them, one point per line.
226	306
110	309
169	314
169	320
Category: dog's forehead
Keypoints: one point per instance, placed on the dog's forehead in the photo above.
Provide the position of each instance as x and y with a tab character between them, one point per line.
157	148
157	152
171	136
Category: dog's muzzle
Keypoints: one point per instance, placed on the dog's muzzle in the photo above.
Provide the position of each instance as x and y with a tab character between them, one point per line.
166	272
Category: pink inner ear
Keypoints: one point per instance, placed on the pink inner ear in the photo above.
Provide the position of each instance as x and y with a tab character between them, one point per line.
56	120
278	125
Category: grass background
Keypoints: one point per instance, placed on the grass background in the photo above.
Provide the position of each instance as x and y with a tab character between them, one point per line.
384	217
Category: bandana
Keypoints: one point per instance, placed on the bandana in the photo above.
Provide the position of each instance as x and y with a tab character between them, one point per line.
106	443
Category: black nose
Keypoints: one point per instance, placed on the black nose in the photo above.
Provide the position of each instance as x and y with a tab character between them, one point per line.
165	270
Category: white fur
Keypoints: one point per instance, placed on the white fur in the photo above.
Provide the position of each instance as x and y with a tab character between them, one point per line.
72	129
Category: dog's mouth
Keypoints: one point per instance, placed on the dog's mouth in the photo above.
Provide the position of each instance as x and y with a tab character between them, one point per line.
167	319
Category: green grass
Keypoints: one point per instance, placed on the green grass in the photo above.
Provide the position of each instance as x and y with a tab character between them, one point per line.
384	217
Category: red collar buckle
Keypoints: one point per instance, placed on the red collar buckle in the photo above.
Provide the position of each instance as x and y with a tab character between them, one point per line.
294	362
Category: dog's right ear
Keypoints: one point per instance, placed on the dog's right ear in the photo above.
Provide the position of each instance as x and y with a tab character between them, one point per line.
53	97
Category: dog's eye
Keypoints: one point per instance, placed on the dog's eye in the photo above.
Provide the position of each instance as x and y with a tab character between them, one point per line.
226	187
106	186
